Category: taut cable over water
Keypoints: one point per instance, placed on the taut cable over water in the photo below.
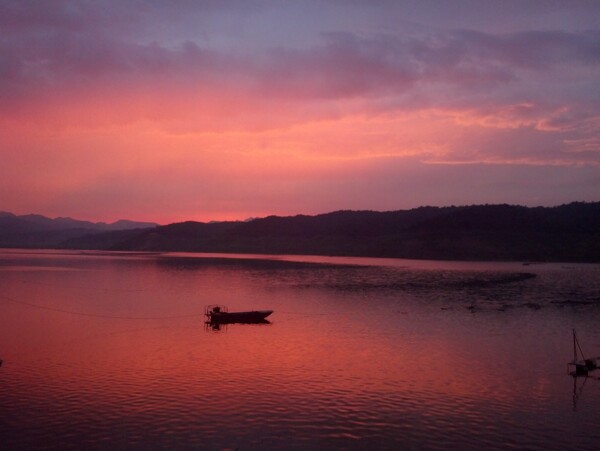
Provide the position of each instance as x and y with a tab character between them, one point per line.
583	365
96	315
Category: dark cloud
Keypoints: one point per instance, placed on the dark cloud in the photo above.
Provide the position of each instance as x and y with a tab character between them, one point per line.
46	48
344	65
71	52
39	17
47	43
533	50
262	106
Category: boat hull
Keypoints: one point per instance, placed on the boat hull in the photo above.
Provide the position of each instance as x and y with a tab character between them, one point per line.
255	316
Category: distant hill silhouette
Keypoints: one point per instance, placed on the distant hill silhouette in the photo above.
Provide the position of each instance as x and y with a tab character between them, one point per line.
481	232
31	231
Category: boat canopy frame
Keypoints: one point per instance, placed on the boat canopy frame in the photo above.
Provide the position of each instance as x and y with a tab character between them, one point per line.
215	308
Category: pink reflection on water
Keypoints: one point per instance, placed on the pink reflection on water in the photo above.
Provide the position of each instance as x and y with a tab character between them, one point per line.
337	365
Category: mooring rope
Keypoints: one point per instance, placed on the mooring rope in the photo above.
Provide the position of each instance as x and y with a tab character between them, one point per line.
96	315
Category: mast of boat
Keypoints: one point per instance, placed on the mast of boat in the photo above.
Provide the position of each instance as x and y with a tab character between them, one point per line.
583	366
575	347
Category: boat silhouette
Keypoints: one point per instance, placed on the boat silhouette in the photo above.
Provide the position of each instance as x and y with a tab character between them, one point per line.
220	314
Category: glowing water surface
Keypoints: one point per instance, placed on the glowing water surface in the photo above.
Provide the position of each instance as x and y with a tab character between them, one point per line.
110	350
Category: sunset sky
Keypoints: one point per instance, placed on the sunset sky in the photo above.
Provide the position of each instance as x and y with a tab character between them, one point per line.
212	110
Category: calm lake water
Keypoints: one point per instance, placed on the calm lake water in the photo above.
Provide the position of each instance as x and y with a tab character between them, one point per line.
110	350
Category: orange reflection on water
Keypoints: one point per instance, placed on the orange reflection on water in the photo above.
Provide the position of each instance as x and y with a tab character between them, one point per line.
333	358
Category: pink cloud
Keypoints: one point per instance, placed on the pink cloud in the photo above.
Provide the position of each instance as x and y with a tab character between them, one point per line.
235	107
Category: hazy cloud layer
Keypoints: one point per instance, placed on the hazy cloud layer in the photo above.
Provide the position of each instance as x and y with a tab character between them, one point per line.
310	81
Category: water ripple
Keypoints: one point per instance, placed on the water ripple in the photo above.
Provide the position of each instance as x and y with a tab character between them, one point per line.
356	358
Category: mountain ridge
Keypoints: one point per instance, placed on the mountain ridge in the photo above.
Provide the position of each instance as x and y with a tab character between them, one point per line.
34	230
569	232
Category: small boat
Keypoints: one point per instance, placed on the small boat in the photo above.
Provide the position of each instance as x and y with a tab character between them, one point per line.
582	366
220	314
